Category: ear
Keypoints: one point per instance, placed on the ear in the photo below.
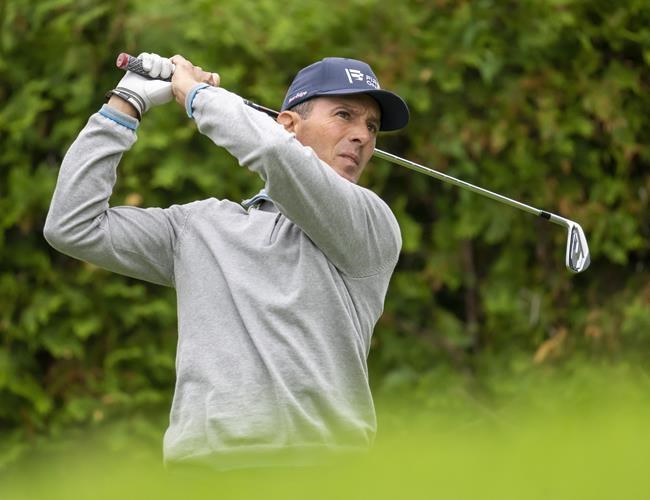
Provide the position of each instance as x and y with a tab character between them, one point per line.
289	120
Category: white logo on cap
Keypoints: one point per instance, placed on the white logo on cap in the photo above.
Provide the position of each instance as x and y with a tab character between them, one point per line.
296	96
355	74
372	82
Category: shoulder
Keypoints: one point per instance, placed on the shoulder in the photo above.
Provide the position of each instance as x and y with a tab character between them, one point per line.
212	208
377	208
210	204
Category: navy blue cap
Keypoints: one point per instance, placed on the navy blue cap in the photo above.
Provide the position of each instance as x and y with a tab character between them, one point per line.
341	76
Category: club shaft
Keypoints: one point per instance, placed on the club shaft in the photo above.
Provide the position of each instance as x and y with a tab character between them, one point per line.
398	160
466	185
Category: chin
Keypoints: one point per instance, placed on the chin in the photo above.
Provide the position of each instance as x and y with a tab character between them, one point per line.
349	172
350	176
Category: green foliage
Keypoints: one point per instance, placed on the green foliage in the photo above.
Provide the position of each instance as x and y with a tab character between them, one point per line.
544	101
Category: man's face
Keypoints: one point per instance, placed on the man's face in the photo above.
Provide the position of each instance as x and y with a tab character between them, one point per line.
342	131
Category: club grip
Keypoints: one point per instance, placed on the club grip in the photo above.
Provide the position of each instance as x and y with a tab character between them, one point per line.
129	63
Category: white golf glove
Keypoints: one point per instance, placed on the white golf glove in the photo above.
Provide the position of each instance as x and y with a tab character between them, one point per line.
142	92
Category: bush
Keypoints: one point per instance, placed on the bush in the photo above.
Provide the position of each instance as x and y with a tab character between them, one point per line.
545	102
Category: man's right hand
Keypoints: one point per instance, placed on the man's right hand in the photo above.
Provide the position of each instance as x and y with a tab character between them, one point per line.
186	76
142	93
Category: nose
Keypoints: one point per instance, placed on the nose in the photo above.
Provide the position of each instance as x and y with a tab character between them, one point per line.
360	134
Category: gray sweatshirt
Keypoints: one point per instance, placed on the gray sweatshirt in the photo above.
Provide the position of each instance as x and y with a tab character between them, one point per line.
276	305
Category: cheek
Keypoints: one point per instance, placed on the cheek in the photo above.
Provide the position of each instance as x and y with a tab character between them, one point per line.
369	149
318	140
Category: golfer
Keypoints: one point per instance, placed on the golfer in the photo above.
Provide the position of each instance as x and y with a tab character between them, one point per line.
277	297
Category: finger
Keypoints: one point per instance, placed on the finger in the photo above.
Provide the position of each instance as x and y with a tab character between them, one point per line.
216	80
156	66
167	69
145	58
203	76
179	60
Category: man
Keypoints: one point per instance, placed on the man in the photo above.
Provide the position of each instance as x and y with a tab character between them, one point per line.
277	298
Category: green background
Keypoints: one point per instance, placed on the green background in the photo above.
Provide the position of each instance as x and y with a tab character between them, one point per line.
545	102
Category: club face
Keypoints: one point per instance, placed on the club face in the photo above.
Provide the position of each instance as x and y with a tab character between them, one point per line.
577	250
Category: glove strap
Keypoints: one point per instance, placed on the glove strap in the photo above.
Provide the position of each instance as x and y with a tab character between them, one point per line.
131	97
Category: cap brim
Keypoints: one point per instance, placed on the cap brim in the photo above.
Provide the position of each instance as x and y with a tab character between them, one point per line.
394	111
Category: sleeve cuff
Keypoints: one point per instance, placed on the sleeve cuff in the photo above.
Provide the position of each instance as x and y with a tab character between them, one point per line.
119	117
189	99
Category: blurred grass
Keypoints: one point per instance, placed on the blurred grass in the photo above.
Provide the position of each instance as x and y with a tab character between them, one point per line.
583	437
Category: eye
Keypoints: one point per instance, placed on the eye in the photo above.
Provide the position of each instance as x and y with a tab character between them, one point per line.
344	114
373	128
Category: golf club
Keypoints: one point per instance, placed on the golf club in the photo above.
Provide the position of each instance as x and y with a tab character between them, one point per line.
577	251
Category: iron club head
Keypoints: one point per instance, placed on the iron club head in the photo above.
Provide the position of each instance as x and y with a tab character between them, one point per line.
577	250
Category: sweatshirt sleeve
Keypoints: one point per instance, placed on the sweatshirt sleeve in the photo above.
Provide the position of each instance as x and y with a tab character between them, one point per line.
350	224
128	240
